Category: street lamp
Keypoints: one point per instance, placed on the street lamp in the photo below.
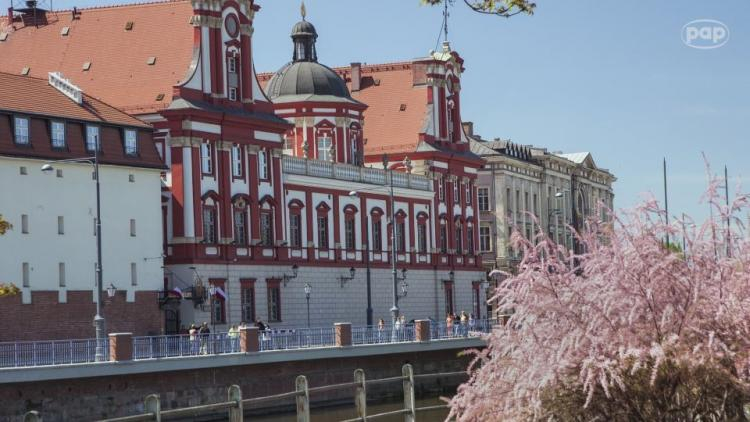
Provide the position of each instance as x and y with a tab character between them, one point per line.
553	212
343	279
212	294
308	290
111	290
98	318
287	277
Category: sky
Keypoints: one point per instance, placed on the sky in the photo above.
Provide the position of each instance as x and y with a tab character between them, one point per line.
609	77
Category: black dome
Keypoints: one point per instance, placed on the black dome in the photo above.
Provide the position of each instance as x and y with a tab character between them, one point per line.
306	78
304	27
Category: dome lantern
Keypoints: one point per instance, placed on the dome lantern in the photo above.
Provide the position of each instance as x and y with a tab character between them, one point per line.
304	37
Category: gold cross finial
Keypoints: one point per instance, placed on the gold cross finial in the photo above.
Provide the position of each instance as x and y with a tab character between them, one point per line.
303	11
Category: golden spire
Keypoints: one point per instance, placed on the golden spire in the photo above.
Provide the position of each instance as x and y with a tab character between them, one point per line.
302	10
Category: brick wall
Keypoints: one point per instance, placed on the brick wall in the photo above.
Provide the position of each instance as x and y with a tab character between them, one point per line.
114	396
45	318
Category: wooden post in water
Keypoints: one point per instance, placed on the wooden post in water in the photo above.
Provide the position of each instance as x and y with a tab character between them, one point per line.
408	374
360	395
235	394
153	405
303	399
32	416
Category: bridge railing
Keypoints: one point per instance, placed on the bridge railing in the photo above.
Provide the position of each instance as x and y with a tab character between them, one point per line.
62	352
51	352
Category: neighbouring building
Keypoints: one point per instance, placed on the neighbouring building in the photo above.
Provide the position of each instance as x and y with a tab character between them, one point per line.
51	252
278	181
521	187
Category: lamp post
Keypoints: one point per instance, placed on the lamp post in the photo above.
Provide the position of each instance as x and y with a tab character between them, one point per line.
308	290
98	318
212	294
552	212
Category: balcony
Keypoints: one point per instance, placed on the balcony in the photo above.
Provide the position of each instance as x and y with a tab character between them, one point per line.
351	173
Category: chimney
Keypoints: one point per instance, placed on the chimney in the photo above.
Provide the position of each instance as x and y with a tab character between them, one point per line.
468	128
356	76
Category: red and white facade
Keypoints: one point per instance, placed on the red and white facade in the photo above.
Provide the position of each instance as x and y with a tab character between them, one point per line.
254	188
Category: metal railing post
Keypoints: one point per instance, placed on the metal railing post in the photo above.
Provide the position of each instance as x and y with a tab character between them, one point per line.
153	405
408	374
303	399
235	412
360	394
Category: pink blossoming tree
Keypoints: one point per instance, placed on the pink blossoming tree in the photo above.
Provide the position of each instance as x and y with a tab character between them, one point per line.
628	329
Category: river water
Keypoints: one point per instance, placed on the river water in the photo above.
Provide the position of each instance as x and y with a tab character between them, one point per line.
339	413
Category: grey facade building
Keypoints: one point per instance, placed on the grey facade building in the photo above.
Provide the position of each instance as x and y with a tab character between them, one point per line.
529	189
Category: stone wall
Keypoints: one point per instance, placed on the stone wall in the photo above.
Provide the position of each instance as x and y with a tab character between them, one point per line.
120	395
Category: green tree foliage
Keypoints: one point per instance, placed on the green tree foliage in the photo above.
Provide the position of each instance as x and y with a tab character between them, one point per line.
505	8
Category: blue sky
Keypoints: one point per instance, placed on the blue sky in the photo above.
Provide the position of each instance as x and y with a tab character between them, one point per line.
609	77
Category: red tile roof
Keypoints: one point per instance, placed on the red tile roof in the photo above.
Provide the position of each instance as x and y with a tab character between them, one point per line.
119	72
29	95
386	89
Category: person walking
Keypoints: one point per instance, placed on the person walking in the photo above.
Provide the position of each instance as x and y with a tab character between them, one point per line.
449	325
464	324
204	333
194	342
233	336
381	329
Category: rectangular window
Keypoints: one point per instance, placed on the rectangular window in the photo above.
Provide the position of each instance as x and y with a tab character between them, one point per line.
22	130
92	138
484	199
518	202
131	142
484	238
508	201
459	239
240	227
266	229
232	93
61	273
470	239
24	224
132	227
57	134
422	237
468	193
349	233
209	224
476	304
247	300
25	274
441	189
323	232
274	301
231	65
263	164
133	274
23	170
443	237
448	291
377	236
218	302
236	161
207	162
60	225
400	237
535	206
456	192
526	206
324	148
295	230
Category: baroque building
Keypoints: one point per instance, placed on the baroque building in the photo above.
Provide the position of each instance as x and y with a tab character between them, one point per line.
277	182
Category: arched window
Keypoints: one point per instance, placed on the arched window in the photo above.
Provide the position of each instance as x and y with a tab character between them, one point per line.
400	231
470	236
295	223
267	205
240	218
377	229
459	237
350	234
210	217
322	210
422	232
443	235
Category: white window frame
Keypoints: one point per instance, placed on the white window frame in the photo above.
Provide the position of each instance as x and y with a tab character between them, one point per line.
263	164
131	142
323	146
21	130
483	205
441	189
57	134
231	65
232	93
485	234
207	162
93	138
467	187
237	161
